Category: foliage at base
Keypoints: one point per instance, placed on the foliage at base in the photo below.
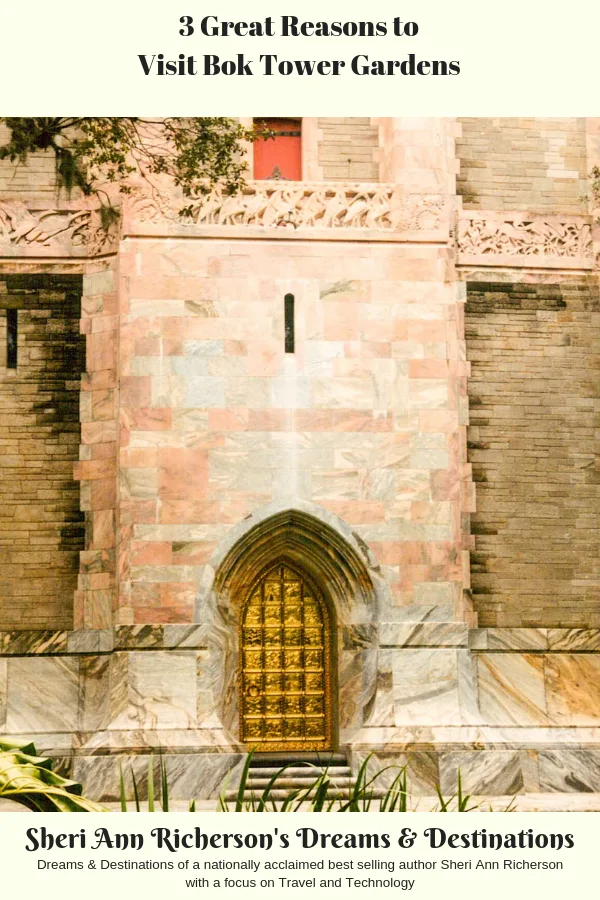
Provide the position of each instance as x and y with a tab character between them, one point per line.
28	779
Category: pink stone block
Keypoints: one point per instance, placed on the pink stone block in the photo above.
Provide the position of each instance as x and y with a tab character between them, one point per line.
139	457
194	553
145	595
234	419
104	323
135	391
357	512
172	346
313	420
399	330
189	512
376	349
352	420
178	594
387	553
233	509
103	530
151	553
104	450
427	331
137	512
444	485
150	419
110	303
438	420
183	473
428	368
103	494
162	615
103	405
264	356
94	469
101	351
91	432
98	609
271	419
101	580
235	348
341	320
149	346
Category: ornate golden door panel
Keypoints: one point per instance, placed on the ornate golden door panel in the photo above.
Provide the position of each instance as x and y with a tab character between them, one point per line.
285	665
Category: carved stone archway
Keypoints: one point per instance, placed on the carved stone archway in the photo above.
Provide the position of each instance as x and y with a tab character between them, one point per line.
323	547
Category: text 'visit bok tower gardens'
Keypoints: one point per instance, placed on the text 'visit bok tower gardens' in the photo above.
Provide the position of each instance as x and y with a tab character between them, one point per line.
314	470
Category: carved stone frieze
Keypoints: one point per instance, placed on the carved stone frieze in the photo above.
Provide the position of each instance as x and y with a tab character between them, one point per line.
53	232
294	205
518	239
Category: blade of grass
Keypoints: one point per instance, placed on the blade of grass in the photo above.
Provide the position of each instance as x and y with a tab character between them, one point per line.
136	795
444	804
122	793
239	802
223	804
320	795
164	785
463	799
151	783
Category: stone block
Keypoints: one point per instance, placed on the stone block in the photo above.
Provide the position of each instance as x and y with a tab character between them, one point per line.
43	694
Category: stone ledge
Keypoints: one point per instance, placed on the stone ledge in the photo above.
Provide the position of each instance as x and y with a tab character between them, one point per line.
540	640
391	634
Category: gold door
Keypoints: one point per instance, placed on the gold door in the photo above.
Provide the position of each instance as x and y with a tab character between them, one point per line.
285	664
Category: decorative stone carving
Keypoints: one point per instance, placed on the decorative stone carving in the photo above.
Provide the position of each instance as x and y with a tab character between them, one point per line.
291	205
269	205
482	235
53	232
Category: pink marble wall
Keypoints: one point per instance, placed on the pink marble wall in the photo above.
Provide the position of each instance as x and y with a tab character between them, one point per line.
365	419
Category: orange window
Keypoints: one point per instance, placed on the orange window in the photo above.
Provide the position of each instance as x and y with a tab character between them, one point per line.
279	156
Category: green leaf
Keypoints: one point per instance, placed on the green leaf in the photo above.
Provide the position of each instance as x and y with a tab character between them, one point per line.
122	793
29	780
151	784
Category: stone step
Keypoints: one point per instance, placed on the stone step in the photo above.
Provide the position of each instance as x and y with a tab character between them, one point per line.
304	770
322	758
259	784
332	794
301	771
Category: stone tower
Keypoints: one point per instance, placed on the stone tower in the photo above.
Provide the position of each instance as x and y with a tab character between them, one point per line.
316	470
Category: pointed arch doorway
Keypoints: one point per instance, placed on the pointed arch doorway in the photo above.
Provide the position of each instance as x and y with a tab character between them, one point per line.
285	674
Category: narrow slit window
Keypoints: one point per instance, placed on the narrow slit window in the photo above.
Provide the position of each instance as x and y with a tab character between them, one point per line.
11	338
289	323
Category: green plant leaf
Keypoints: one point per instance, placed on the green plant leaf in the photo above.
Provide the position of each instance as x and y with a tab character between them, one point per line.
29	780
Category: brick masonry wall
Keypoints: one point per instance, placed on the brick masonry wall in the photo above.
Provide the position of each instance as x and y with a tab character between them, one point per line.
531	164
41	527
35	181
347	150
534	397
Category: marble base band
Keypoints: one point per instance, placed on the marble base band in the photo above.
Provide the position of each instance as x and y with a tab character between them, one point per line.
515	710
485	773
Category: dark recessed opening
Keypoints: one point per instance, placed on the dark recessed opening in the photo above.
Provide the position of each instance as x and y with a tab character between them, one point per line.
11	338
289	323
